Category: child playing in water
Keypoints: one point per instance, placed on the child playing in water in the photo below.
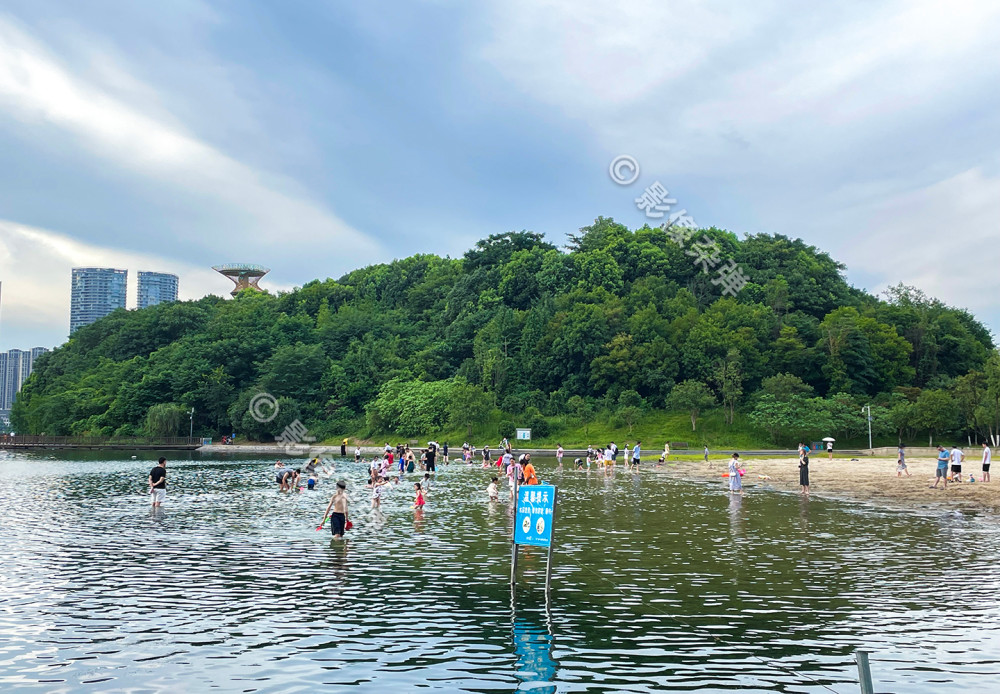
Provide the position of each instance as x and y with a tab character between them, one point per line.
418	500
491	489
377	490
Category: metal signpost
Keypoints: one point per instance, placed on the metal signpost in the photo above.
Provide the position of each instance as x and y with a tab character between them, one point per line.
534	522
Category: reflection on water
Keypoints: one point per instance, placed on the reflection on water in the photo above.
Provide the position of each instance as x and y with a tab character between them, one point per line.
657	585
533	642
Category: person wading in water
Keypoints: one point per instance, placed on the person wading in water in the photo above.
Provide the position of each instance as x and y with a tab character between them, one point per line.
338	506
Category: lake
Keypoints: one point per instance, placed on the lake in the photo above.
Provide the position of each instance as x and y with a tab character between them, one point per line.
658	585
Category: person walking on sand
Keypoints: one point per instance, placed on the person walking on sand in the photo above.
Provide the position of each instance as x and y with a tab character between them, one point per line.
706	454
804	471
941	473
987	458
829	450
957	456
735	481
158	482
901	462
338	506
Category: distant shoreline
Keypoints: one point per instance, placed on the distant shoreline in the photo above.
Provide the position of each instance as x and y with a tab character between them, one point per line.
868	480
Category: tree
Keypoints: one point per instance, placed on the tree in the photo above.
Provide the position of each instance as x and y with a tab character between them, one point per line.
793	418
729	380
935	412
902	416
583	409
469	406
988	413
164	419
692	397
784	386
630	408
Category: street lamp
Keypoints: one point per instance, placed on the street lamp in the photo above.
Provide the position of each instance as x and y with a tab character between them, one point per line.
869	424
191	424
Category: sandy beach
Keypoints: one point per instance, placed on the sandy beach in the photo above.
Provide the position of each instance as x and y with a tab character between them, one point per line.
866	479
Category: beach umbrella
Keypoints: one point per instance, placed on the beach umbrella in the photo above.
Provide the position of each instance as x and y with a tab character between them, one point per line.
830	439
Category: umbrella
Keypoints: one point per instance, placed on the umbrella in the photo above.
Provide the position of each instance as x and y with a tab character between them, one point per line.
830	439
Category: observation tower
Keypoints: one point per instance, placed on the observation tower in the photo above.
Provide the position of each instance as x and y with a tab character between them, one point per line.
244	276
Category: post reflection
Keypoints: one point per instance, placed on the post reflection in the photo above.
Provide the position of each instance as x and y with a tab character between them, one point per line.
533	642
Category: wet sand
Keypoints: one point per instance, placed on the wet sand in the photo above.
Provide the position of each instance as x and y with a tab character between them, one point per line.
866	479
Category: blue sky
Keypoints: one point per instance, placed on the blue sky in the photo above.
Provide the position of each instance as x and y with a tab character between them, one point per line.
317	137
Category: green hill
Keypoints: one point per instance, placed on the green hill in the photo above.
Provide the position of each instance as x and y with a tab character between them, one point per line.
623	330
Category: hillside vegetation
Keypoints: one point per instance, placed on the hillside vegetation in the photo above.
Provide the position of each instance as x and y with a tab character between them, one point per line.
623	333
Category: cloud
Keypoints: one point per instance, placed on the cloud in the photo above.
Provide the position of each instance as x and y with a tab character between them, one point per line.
941	238
267	212
35	267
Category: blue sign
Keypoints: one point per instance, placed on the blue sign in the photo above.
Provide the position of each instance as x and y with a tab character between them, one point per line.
536	505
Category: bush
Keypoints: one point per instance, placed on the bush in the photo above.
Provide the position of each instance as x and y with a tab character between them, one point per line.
506	429
539	427
512	403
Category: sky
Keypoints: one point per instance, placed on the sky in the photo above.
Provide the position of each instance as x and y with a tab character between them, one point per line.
317	137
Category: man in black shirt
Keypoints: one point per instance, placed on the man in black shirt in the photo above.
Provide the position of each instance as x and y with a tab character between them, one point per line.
158	482
431	454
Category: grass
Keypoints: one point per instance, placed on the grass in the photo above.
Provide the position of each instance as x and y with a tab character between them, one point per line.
654	428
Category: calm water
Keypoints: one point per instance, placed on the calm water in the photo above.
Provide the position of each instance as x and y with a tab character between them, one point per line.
658	585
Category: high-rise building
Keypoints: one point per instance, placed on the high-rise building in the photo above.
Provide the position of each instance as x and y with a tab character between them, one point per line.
97	291
15	367
156	288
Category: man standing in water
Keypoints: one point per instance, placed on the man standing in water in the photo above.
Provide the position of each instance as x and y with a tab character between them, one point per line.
338	506
636	455
431	455
158	483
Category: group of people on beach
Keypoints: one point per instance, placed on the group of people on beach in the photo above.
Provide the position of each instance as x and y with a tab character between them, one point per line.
953	456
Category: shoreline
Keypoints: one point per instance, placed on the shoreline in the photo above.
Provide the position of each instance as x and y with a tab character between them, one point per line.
869	480
865	479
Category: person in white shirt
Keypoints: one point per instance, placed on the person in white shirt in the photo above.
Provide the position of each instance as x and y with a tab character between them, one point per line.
957	456
987	458
559	455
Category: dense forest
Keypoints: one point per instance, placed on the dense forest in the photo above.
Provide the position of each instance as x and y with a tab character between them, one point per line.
617	329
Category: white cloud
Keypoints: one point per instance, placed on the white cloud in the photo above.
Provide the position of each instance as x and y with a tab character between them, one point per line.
600	57
35	269
268	212
699	88
942	238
